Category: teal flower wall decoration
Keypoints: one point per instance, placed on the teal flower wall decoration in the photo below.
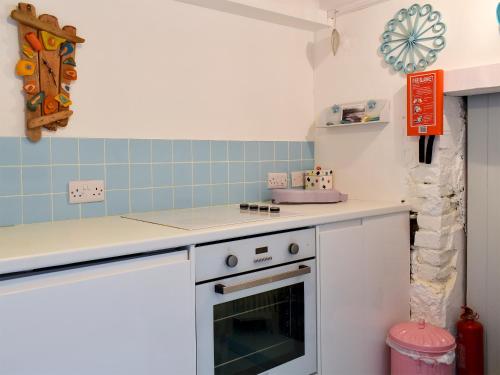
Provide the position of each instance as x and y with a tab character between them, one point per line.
413	38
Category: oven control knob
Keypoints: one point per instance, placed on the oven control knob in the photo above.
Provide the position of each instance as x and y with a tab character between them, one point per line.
293	248
232	261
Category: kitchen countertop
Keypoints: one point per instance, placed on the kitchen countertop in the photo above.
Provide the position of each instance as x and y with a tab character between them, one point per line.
28	247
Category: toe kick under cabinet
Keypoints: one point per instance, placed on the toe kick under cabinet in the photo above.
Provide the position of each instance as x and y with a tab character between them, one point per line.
364	280
120	317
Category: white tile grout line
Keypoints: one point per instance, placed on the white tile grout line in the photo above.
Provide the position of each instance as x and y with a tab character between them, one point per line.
21	156
129	178
151	181
79	177
105	202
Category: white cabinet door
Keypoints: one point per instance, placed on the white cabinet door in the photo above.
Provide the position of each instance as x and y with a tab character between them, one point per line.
364	278
132	317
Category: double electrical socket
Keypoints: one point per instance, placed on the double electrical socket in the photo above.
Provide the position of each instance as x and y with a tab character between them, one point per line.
277	180
86	191
280	180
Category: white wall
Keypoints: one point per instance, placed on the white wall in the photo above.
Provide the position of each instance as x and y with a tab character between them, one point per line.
370	162
164	69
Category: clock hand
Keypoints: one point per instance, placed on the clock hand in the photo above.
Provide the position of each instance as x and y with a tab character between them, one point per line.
49	69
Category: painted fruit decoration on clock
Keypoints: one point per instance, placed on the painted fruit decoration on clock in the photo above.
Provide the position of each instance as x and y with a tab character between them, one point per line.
47	67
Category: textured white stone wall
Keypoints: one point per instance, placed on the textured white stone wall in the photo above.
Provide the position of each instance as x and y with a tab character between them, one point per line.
436	192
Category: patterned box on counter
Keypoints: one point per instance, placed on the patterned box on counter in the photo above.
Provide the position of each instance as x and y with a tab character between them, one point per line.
319	179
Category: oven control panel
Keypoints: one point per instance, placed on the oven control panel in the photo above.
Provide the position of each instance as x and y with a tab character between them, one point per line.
241	255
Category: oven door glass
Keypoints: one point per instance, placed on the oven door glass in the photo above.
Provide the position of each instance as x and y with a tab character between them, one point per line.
259	332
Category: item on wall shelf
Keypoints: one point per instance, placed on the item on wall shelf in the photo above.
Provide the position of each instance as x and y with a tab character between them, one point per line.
425	109
358	113
413	38
48	83
335	38
498	13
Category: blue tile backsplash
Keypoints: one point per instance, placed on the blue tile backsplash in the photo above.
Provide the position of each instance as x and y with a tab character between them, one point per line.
140	174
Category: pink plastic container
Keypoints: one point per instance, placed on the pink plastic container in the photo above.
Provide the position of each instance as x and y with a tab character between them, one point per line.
420	348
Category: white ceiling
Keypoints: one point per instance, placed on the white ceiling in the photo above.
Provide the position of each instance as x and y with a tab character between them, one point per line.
339	4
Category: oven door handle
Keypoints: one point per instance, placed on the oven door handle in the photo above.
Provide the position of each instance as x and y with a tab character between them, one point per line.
226	289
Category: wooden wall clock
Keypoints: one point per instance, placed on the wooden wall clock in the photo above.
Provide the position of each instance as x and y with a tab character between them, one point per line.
48	68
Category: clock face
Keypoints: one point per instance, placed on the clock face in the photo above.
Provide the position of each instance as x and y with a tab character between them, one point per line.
413	38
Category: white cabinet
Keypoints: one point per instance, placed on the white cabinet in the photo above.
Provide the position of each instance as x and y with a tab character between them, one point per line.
128	317
364	279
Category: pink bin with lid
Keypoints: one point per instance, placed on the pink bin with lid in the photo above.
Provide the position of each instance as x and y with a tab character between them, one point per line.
421	348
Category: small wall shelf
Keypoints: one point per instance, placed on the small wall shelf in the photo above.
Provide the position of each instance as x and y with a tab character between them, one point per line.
361	113
368	123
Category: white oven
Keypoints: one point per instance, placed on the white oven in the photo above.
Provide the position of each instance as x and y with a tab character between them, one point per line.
256	305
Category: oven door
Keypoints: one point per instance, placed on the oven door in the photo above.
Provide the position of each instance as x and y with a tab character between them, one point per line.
258	323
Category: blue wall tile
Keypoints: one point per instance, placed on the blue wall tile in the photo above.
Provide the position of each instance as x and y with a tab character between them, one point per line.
266	150
265	193
10	151
36	180
117	151
307	164
140	175
251	171
265	168
201	196
219	173
94	209
252	192
281	166
236	172
201	173
91	172
163	199
295	150
219	194
64	150
140	151
236	150
308	150
251	151
117	202
281	150
10	211
61	176
91	151
37	208
295	165
35	153
63	210
162	150
117	177
236	193
182	151
141	200
183	174
10	181
162	174
201	151
183	197
219	150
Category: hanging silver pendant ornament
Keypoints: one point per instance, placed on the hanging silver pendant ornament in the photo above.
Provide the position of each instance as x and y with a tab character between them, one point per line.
335	38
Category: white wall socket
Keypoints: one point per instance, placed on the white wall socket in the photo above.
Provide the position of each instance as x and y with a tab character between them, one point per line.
277	180
298	179
86	191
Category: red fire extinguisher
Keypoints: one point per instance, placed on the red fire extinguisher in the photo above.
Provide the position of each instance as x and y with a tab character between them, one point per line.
470	357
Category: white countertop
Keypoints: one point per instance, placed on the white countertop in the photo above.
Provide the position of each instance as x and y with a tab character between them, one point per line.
27	247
